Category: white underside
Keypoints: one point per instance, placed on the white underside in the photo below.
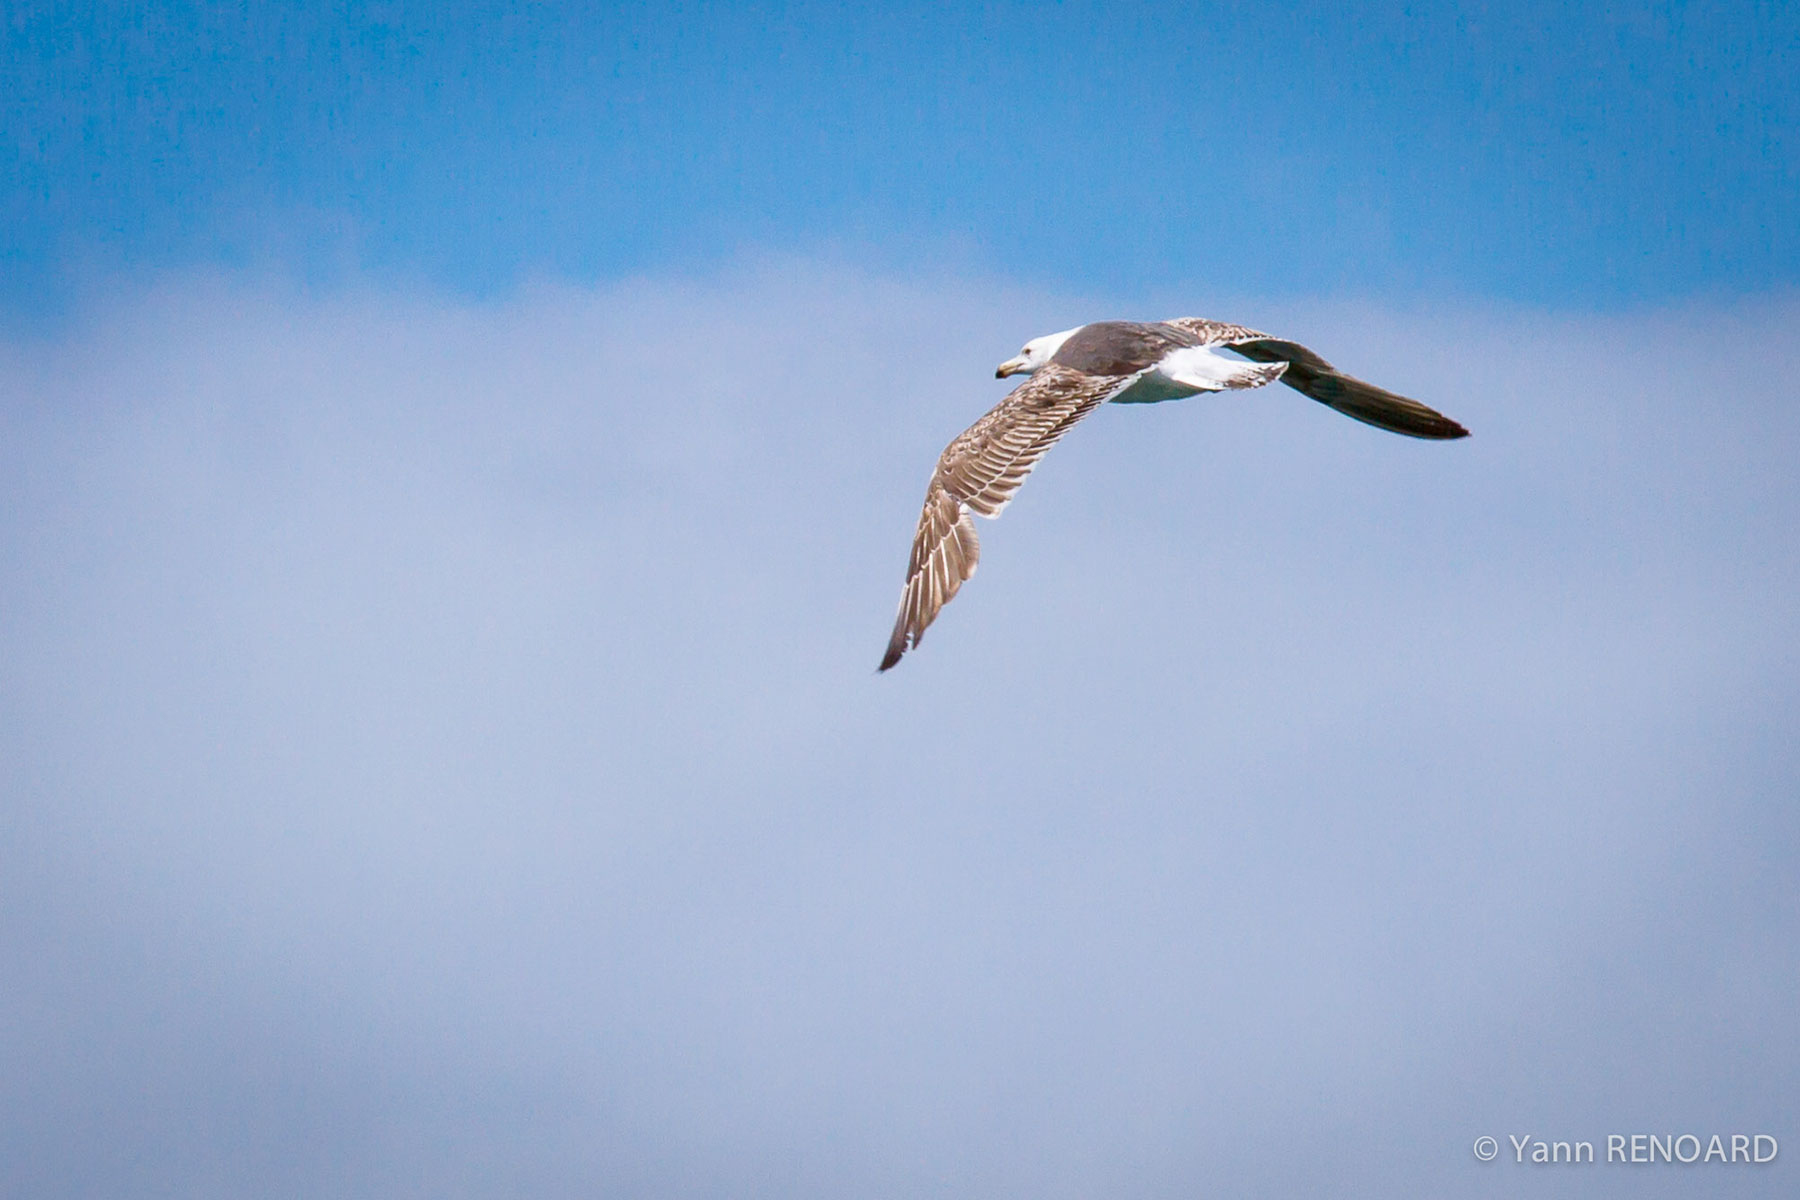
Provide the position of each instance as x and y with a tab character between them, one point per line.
1196	369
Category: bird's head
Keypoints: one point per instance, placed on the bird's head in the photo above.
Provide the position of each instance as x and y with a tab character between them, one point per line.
1036	353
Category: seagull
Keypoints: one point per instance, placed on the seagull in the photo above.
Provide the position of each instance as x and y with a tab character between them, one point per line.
1070	375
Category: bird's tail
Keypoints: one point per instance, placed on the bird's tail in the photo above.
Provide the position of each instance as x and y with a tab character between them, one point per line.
1311	375
1202	368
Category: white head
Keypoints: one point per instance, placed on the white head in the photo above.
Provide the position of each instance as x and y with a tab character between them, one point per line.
1036	353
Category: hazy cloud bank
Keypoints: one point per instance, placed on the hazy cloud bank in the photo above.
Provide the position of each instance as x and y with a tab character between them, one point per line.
443	753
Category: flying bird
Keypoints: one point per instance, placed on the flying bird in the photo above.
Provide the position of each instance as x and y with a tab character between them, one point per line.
1071	374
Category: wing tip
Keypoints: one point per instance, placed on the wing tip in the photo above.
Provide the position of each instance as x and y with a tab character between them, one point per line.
1445	429
904	638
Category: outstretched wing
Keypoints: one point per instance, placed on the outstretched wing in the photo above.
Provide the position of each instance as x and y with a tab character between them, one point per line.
1311	375
980	472
944	553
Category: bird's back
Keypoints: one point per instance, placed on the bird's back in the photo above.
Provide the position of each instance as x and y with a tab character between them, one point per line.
1120	347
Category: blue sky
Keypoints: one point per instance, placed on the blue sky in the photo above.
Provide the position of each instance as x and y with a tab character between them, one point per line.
456	475
1578	156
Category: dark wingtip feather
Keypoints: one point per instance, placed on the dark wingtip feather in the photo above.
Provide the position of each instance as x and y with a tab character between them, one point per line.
1373	405
897	645
1312	376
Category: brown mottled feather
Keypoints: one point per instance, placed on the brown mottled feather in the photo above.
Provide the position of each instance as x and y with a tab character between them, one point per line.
980	472
1213	333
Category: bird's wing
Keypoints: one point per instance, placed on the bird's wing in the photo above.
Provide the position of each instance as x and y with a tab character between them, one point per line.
1212	333
944	553
1311	375
979	472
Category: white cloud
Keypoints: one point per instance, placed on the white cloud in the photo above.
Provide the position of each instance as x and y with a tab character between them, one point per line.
448	756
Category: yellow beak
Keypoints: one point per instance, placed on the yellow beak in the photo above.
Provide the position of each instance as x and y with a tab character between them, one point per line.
1011	366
